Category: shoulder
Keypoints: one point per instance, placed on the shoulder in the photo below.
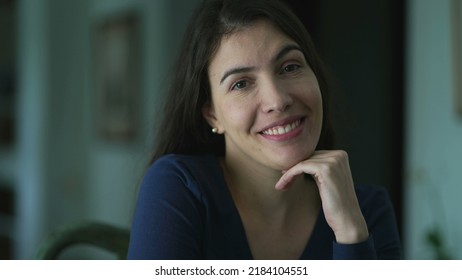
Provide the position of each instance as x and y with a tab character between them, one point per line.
177	171
183	165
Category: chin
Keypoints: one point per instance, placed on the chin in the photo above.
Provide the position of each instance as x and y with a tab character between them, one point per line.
286	163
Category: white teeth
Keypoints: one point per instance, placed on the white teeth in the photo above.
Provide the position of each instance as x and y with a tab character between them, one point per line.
279	130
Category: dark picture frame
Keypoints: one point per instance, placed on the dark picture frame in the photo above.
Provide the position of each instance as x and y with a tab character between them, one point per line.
117	82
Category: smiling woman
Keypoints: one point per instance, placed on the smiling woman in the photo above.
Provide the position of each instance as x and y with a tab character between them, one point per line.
270	88
244	166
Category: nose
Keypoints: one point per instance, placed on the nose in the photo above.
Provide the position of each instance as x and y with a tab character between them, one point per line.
275	97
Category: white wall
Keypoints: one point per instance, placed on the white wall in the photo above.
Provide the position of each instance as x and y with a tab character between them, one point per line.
434	132
65	171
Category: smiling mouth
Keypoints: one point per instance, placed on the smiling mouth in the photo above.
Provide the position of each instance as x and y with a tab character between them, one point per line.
283	129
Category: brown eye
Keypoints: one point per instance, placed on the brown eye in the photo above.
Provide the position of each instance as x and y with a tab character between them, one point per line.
239	85
290	68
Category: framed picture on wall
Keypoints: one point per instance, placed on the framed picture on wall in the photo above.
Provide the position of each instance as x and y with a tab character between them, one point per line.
117	82
456	37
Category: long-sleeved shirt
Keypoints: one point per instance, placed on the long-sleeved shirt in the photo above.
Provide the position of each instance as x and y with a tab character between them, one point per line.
184	210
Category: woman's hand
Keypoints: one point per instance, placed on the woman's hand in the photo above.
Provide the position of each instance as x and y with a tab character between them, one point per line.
331	172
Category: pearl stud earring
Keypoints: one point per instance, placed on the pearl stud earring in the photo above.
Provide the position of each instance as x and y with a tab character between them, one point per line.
215	130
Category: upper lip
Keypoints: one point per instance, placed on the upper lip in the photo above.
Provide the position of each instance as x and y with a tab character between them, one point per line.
283	122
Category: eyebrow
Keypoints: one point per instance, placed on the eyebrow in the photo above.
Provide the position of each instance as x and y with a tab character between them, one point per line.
286	49
236	70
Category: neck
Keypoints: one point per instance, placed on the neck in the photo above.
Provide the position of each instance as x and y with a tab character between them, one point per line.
253	190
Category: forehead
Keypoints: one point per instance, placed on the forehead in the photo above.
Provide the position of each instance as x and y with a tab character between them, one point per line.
251	44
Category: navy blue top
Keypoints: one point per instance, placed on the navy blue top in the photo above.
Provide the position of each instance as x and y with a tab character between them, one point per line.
185	211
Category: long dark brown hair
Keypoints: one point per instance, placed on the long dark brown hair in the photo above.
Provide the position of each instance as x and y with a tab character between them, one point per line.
182	128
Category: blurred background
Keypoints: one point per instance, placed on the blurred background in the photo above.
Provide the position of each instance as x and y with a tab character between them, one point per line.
81	82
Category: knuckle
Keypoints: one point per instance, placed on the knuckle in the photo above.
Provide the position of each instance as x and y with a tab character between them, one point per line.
341	156
326	169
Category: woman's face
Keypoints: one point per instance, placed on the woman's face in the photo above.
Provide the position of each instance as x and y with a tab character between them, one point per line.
265	98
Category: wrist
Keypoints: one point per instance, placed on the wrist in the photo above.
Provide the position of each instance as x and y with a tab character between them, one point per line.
353	234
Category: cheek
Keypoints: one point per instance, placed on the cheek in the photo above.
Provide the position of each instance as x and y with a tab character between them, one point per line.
318	101
314	98
306	89
237	115
311	98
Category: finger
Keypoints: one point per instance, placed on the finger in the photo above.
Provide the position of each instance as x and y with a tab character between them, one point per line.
289	176
284	182
310	166
321	153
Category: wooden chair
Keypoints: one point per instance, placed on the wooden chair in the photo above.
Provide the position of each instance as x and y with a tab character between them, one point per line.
97	234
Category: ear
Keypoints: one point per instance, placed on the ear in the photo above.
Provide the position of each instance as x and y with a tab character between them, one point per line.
210	116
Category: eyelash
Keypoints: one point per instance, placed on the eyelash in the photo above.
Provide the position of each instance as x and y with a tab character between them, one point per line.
237	85
284	69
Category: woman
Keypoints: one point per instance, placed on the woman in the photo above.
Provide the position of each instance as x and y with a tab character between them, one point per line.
244	166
